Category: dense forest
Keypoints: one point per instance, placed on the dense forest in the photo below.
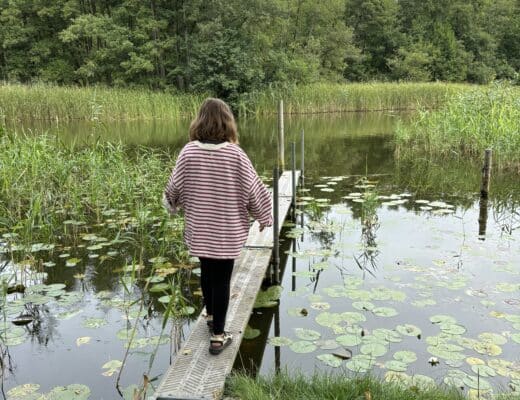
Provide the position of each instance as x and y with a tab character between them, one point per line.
228	47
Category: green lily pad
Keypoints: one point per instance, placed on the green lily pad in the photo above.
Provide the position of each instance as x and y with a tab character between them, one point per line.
111	367
307	334
452	329
405	356
22	392
352	317
394	365
330	359
360	363
320	305
251	333
408	330
159	287
328	319
387	335
373	349
474	382
328	344
70	392
483	370
349	340
494	338
487	348
302	347
268	298
385	311
363	305
164	299
515	337
297	312
442	319
279	341
72	262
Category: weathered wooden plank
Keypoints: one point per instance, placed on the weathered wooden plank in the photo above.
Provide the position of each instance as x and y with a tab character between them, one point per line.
195	373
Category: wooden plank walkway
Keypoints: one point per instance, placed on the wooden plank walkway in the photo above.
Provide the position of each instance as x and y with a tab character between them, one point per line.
196	374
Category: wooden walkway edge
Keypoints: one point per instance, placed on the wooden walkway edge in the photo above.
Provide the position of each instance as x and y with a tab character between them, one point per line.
195	374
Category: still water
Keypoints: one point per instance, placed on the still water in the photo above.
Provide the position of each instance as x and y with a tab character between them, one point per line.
391	263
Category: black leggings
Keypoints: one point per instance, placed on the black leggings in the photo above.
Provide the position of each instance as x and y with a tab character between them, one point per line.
215	279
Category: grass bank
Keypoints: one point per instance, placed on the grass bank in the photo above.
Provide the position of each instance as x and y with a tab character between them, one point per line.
468	123
48	102
45	102
47	187
339	387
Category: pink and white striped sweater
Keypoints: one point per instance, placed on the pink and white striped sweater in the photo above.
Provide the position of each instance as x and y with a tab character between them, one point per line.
217	187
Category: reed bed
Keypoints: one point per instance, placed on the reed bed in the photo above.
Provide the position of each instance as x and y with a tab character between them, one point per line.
330	97
468	123
44	182
338	386
48	102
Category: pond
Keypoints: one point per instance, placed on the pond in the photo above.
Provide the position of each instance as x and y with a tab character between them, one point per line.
392	265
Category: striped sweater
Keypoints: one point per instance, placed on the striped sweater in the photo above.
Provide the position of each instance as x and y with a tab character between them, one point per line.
217	187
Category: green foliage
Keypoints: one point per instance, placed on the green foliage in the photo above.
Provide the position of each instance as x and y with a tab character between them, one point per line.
467	124
234	48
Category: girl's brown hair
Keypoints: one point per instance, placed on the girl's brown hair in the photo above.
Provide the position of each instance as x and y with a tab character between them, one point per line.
214	121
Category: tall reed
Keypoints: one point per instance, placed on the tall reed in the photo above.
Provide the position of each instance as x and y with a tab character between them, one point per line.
48	102
44	182
468	123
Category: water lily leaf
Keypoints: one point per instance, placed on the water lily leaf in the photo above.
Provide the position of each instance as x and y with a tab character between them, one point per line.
307	334
23	392
330	359
483	370
297	312
442	319
424	303
452	329
373	349
328	344
111	367
385	311
408	330
279	341
164	299
475	361
394	365
251	333
70	392
349	340
352	317
474	382
68	314
360	363
302	347
82	340
268	298
328	319
387	335
94	323
72	262
487	348
492	338
405	356
515	337
363	305
422	382
159	287
398	378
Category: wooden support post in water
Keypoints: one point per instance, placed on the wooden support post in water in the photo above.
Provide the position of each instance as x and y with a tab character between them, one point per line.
486	174
482	218
293	191
276	241
281	139
302	150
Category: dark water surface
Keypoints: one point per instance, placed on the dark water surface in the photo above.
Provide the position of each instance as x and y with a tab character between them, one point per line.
394	249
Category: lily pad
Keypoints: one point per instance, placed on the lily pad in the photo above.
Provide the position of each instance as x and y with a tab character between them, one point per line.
487	348
330	360
394	365
483	370
360	363
494	338
385	311
387	335
442	319
405	356
302	346
474	382
373	349
408	330
349	340
72	262
251	333
111	367
307	334
94	323
363	305
328	319
279	341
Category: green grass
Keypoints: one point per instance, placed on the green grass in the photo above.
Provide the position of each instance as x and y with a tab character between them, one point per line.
331	97
47	102
337	387
468	123
44	182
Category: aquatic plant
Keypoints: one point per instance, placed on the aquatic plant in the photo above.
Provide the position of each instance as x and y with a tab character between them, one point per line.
469	122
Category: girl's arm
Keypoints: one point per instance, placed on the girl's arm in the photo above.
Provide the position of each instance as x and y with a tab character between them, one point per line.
260	205
172	192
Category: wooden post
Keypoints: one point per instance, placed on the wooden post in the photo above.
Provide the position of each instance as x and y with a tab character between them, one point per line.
276	241
302	150
293	191
486	174
281	139
482	218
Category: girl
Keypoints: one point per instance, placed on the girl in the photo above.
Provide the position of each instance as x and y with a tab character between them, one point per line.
216	185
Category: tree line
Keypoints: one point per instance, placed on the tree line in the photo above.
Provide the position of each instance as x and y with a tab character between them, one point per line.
231	47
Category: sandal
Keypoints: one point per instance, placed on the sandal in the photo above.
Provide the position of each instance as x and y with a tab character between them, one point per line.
219	342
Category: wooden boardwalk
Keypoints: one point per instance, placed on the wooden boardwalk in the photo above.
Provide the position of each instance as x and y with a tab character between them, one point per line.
196	374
